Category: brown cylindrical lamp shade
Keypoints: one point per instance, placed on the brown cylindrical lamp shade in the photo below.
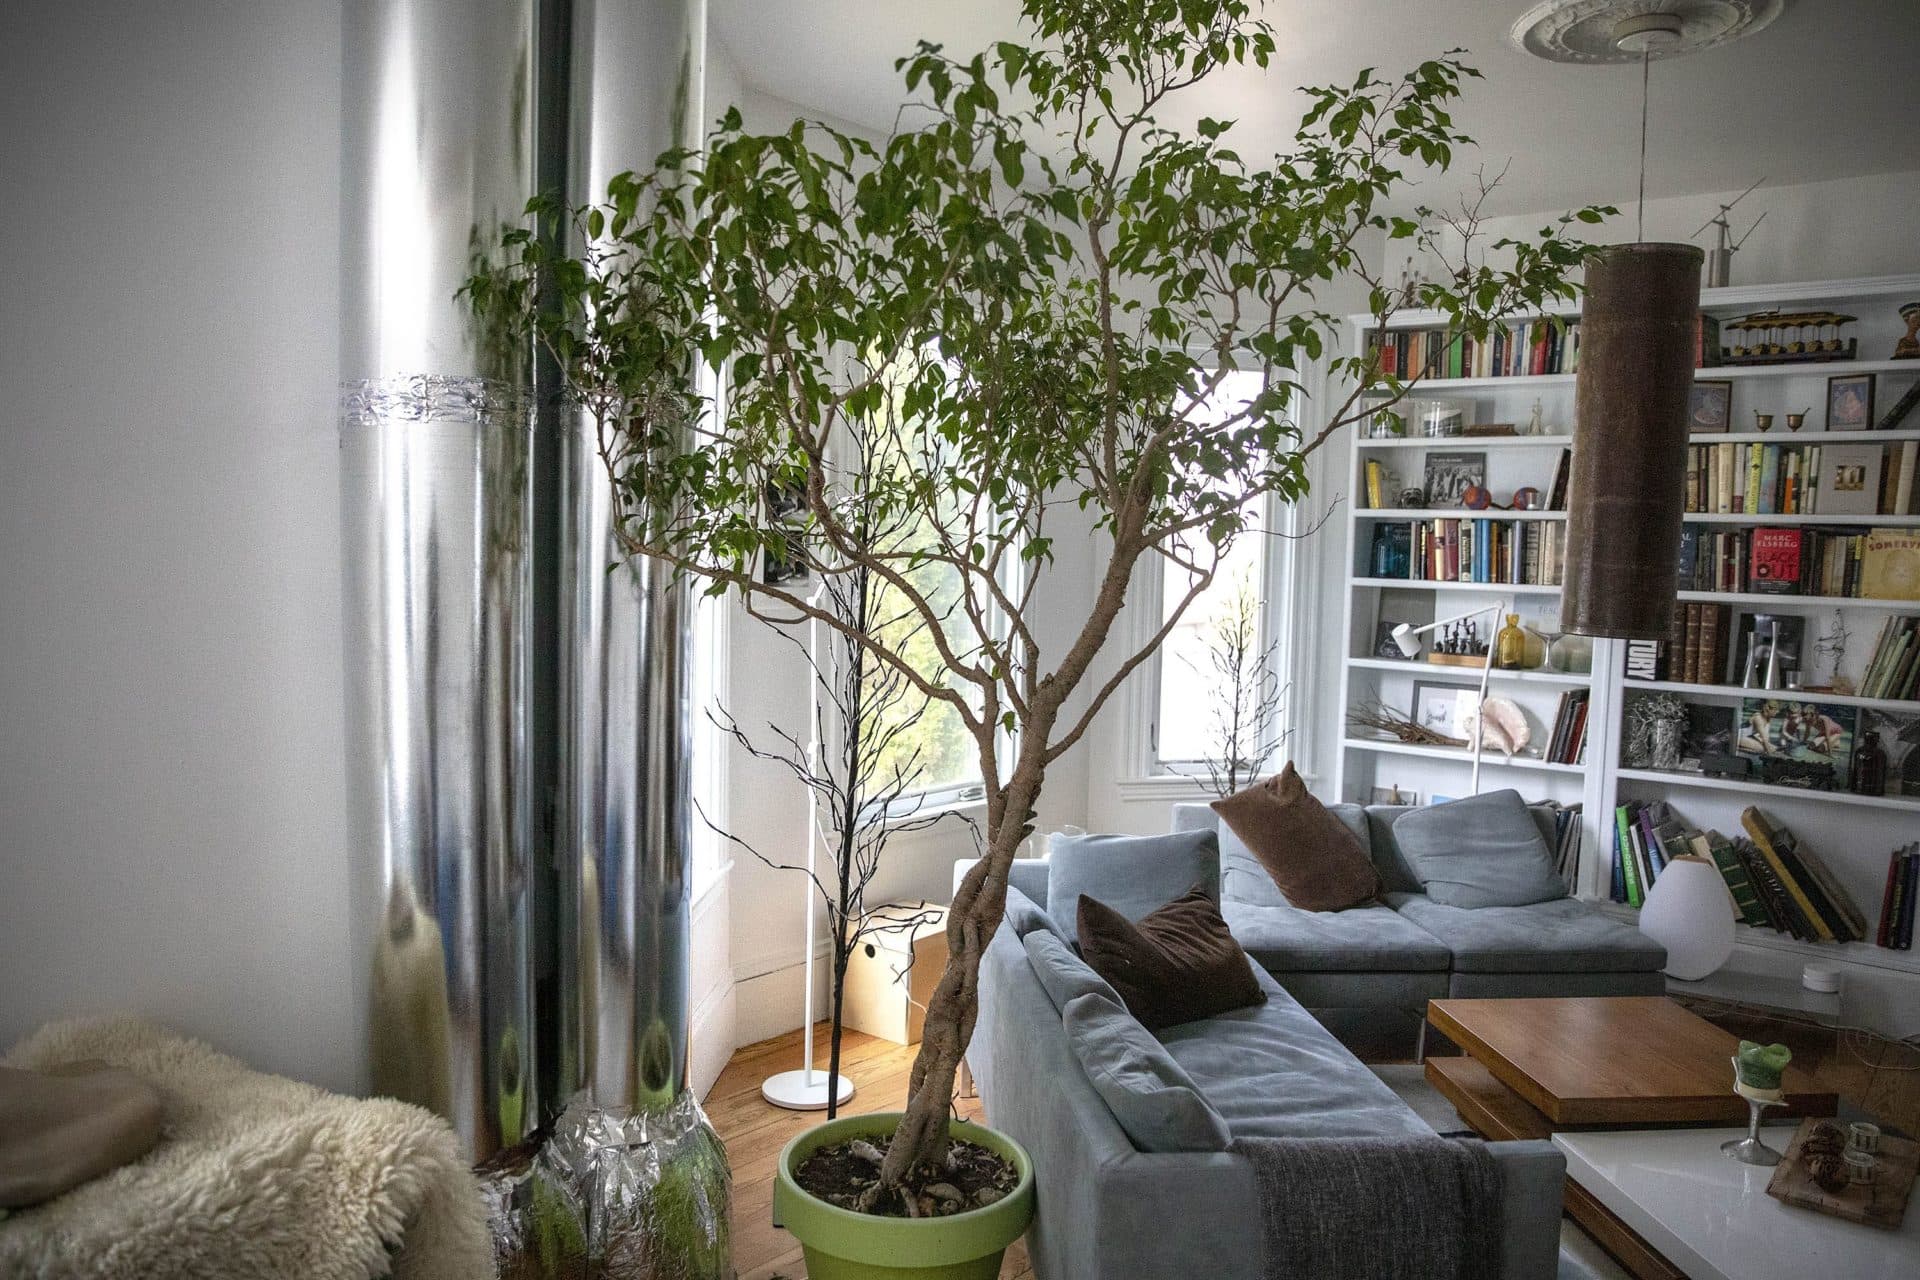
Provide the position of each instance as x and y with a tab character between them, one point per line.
1628	477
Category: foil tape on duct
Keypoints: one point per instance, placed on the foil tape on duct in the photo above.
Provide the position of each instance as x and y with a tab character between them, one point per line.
618	1195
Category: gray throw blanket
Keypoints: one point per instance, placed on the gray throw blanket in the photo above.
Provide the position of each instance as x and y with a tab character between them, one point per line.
1377	1208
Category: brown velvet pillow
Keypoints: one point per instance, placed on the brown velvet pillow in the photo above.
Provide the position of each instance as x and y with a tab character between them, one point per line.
1311	855
1177	964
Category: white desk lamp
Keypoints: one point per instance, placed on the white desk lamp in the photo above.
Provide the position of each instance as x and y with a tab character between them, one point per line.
1406	636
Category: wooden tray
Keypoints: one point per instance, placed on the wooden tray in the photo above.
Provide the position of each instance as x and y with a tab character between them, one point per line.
1881	1203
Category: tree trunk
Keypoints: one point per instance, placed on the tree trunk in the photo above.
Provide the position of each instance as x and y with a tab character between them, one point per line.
978	904
840	956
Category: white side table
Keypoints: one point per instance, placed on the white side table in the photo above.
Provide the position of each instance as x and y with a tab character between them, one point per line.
1712	1218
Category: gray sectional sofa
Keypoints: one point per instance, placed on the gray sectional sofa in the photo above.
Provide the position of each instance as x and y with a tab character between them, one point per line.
1109	1208
1368	973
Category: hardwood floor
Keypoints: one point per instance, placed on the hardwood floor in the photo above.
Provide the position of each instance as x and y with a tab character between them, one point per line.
754	1131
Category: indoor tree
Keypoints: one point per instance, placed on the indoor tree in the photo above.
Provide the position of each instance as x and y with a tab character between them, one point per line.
1023	299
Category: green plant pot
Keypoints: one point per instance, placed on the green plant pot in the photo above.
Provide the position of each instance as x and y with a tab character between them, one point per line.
843	1245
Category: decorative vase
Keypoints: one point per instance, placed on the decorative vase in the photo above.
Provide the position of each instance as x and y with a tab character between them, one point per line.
1571	653
843	1245
1690	913
1510	645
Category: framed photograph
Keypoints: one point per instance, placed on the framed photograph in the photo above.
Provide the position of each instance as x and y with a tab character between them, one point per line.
1443	708
1850	479
1393	795
1850	402
1710	405
1812	733
1709	732
1450	475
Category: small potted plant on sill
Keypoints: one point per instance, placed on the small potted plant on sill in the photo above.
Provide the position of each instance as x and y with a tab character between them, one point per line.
1021	305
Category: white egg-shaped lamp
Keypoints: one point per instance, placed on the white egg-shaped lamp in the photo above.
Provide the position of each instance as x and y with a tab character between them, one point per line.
1690	913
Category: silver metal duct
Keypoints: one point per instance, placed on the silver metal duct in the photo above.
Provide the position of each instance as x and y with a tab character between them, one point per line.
441	562
520	728
624	886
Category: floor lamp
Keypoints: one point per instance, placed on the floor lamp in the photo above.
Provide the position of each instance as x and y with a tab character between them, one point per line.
808	1089
1407	637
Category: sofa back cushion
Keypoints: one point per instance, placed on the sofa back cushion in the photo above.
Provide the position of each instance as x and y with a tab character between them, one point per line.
1486	851
1024	916
1313	856
1178	964
1132	874
1156	1103
1396	872
1064	975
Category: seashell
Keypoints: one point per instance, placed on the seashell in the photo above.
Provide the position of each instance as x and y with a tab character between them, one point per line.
1502	726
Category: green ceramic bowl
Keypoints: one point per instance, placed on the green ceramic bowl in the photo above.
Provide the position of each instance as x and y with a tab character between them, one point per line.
843	1245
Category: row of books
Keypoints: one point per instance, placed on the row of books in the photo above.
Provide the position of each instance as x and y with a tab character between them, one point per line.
1695	650
1823	479
1485	550
1529	348
1874	564
1774	881
1567	744
1896	904
1567	829
1893	668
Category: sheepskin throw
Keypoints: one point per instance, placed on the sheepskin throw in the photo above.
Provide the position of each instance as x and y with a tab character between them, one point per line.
255	1178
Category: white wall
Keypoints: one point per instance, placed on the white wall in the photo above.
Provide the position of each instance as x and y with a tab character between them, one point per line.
171	770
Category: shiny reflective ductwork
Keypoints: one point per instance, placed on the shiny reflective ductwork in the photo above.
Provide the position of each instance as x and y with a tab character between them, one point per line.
519	714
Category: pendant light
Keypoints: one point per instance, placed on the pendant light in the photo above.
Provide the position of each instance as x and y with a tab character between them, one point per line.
1637	342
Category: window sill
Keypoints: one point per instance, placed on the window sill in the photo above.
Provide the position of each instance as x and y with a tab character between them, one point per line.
1175	786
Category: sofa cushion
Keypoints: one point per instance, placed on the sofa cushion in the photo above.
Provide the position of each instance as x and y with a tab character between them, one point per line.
1024	916
1132	874
1396	873
1562	936
1155	1101
1064	975
1484	851
1178	964
1272	1071
1315	858
1364	939
1243	879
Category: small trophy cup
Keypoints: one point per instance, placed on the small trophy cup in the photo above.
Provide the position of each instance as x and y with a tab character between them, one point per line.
1756	1077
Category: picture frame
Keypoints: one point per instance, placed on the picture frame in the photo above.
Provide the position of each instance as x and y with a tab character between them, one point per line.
1442	707
1850	402
786	507
1806	733
1850	479
1450	475
1393	795
1710	406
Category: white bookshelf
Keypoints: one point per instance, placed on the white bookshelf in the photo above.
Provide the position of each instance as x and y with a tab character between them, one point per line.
1851	834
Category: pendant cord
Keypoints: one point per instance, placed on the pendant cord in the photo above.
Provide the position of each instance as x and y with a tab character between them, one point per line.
1640	209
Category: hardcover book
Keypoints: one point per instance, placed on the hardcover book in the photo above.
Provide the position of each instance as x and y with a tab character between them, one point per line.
1890	565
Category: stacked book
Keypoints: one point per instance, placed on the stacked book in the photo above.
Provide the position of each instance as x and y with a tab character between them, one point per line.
1484	550
1893	669
1531	347
1775	883
1783	479
1695	650
1568	742
1876	564
1896	904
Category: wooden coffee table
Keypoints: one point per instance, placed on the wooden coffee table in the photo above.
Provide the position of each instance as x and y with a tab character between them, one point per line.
1535	1067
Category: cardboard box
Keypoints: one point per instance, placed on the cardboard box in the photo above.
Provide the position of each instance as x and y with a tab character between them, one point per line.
893	971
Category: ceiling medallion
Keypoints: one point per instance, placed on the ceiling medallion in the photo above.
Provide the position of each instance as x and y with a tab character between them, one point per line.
1594	32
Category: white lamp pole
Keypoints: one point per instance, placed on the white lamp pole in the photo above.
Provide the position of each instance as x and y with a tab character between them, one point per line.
1406	637
807	1089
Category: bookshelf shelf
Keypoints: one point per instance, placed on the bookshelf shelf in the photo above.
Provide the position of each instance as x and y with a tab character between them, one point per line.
1806	437
1773	601
1453	513
1488	759
1732	372
1781	695
1742	518
1861	953
1484	588
1662	777
1467	675
1481	442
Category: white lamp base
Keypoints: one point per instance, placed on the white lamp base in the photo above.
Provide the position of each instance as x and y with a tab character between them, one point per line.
804	1090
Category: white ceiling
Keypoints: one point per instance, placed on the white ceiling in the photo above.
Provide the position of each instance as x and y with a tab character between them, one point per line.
1827	91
